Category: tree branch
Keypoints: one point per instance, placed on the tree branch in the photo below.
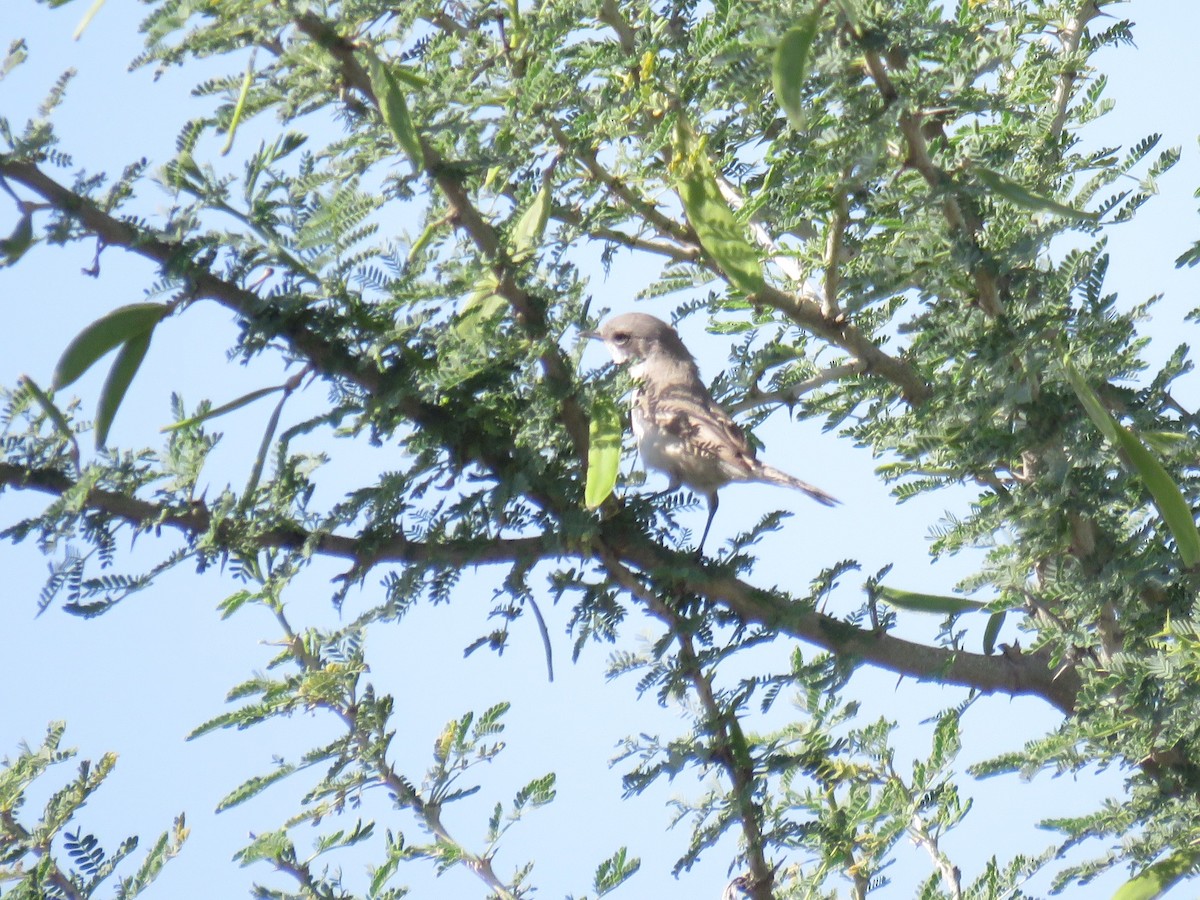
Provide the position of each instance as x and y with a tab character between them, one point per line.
793	392
1011	672
196	520
732	752
588	158
610	14
961	222
807	313
1071	36
171	256
528	310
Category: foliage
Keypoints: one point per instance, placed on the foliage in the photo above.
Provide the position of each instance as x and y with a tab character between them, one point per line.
894	187
29	865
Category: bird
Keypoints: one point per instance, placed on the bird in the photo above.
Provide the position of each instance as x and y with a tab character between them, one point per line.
680	429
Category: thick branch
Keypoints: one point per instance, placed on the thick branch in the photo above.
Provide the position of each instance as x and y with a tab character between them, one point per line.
732	752
808	315
610	14
1012	672
196	520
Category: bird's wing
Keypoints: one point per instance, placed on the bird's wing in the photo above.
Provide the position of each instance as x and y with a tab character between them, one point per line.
703	428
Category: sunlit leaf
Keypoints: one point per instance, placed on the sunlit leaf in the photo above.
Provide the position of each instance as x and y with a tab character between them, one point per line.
1167	496
1022	196
102	336
87	19
481	306
394	109
992	631
790	67
1155	880
224	408
269	846
252	787
710	216
528	231
54	414
851	13
929	603
604	453
14	246
239	108
264	447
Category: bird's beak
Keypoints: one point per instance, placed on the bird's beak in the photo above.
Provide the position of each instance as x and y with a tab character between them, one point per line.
592	335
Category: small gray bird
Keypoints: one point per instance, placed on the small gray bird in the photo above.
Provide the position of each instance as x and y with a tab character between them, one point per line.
680	429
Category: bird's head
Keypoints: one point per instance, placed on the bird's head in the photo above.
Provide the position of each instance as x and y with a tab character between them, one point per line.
638	336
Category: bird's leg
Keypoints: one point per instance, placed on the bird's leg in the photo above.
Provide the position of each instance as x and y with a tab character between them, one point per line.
713	499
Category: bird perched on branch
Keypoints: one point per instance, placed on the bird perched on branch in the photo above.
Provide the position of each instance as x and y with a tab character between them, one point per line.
680	429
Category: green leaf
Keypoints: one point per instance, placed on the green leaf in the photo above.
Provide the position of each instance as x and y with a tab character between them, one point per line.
224	408
264	448
234	602
710	216
614	871
380	876
273	845
1022	196
604	453
1188	257
239	108
483	305
1165	442
252	787
790	67
992	631
165	848
1091	403
537	793
1155	880
1167	496
929	603
851	14
527	233
103	335
394	109
54	414
124	367
87	19
14	246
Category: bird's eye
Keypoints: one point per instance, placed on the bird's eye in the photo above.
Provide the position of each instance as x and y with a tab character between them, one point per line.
621	337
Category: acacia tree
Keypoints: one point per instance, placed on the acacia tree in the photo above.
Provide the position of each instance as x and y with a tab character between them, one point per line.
876	185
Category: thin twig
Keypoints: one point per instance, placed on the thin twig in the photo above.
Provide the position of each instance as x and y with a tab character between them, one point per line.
961	222
951	877
732	751
1071	36
790	394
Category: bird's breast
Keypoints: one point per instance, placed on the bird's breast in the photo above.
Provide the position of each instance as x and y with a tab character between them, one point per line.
669	448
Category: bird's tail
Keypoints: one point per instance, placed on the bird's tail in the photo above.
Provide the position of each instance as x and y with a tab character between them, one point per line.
778	476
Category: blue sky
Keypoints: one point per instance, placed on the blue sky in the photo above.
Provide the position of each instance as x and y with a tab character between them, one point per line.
140	678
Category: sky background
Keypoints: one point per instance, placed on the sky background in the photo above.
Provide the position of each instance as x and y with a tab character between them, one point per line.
139	679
